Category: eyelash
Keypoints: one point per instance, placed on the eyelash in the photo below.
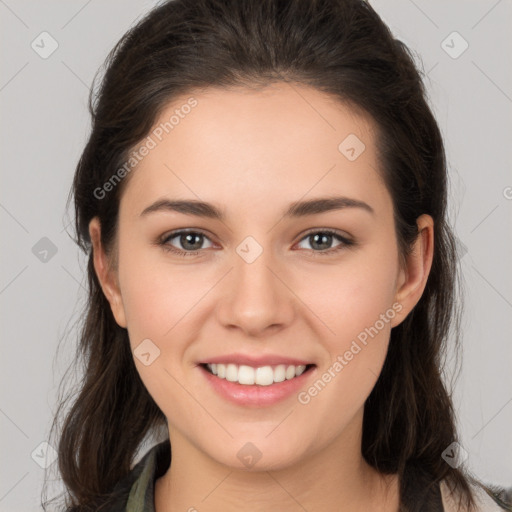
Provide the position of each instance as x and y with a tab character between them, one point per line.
345	242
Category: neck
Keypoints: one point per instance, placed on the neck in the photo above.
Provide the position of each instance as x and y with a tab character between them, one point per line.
336	478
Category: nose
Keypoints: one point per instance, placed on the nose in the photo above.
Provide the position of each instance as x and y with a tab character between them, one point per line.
256	299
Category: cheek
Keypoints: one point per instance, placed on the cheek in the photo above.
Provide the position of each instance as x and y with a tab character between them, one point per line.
156	295
351	296
159	303
359	311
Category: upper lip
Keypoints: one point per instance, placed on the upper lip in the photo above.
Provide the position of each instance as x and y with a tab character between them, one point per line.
255	361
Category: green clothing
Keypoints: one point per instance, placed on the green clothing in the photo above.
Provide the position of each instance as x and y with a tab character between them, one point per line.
135	493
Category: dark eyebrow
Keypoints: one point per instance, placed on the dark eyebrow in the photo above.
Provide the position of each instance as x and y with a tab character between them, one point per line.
325	204
188	207
297	209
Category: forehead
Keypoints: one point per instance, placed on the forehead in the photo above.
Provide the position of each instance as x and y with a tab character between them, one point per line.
256	147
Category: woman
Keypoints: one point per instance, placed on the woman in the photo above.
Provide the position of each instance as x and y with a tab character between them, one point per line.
271	272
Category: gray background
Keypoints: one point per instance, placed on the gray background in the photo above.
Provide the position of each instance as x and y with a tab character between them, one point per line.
43	130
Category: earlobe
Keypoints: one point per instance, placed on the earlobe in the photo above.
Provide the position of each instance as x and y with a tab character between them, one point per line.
413	277
106	275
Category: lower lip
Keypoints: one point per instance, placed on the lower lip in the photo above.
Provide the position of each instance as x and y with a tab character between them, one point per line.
255	395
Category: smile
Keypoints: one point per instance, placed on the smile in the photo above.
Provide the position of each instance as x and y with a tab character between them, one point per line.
262	376
260	386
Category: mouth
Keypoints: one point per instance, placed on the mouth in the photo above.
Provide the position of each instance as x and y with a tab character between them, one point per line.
256	376
256	384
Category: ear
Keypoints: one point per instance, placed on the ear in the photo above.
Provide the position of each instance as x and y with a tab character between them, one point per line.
106	275
413	276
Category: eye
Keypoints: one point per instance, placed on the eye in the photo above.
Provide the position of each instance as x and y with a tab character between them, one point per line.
190	241
321	241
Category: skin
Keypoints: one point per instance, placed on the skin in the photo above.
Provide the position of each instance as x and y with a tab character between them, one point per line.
252	153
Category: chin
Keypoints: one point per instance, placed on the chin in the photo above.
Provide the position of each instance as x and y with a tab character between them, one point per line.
256	454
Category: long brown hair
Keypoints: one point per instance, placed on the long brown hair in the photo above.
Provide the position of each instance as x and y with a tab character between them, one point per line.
343	48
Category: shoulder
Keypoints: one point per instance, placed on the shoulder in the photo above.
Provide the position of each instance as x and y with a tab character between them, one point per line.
135	492
487	498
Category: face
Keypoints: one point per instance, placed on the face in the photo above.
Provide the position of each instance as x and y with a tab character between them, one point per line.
260	280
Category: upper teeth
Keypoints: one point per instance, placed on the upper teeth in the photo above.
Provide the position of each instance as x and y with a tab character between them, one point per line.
264	375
